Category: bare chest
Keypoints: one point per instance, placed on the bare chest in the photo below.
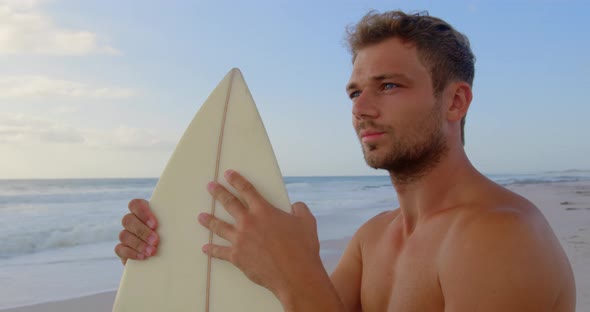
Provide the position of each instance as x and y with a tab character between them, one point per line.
401	277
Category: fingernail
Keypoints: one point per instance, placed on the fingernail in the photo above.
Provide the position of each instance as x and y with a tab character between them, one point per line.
204	248
152	239
211	185
203	217
228	173
149	251
151	224
140	256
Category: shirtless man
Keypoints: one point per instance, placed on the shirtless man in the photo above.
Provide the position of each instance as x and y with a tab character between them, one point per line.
458	242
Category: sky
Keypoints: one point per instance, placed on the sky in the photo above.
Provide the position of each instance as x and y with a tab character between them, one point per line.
105	88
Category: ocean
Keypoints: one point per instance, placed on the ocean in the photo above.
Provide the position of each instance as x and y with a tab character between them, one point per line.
57	237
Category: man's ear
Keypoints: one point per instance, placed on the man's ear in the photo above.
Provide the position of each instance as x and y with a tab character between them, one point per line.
460	95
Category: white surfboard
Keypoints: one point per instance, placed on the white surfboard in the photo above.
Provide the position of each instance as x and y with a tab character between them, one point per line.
226	133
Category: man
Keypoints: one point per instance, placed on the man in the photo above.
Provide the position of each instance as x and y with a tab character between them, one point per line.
458	241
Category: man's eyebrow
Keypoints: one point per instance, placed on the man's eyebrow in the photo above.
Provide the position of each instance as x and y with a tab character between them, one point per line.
350	86
353	85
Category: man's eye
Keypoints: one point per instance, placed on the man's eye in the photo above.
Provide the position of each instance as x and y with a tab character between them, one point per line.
389	86
354	94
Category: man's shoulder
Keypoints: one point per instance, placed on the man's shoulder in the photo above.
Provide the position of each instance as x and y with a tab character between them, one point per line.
508	220
494	209
507	241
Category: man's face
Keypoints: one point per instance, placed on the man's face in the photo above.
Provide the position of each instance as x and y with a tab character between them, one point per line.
397	118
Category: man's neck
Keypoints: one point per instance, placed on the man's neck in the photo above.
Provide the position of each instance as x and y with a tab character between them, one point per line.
444	187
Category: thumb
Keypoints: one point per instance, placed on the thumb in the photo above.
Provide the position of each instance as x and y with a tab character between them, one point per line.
302	211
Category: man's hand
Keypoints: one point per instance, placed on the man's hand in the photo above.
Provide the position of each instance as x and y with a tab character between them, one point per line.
138	238
275	249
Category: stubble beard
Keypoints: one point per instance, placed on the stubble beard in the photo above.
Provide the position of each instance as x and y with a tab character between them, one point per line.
409	158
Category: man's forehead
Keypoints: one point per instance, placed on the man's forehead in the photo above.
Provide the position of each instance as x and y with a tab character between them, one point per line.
391	59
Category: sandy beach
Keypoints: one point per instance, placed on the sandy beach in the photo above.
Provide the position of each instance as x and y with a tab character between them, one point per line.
566	205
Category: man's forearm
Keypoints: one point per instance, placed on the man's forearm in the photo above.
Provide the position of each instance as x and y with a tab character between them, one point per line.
315	293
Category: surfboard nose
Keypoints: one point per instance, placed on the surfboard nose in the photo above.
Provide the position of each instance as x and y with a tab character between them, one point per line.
236	71
235	74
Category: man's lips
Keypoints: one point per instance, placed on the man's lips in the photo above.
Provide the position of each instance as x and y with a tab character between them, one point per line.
369	135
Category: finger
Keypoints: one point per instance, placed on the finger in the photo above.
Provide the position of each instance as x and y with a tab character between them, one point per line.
133	242
217	226
124	253
301	210
244	187
141	208
219	252
231	203
132	224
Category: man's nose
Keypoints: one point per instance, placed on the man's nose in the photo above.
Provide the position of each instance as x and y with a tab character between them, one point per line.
365	107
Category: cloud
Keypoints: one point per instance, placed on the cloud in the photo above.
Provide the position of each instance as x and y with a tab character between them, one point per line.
26	130
24	29
19	129
41	86
125	137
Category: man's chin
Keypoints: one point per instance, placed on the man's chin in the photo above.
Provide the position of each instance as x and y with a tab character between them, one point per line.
374	162
375	158
374	166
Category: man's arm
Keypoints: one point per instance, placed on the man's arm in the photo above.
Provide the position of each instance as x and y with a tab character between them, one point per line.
506	260
346	278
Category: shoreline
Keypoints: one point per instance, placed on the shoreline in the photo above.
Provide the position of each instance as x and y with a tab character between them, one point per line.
99	302
566	206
